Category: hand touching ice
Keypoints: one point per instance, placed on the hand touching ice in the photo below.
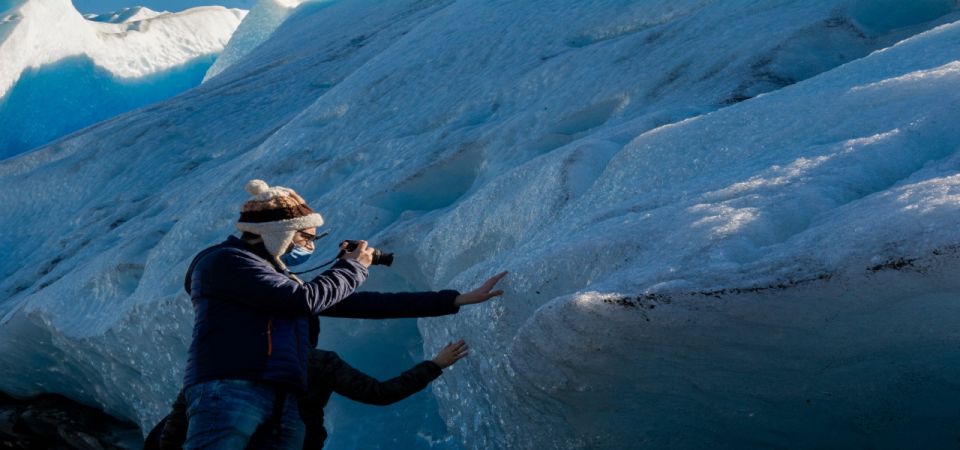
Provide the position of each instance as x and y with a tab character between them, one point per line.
481	294
452	353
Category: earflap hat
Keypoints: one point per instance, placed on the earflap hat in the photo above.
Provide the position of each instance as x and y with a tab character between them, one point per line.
275	213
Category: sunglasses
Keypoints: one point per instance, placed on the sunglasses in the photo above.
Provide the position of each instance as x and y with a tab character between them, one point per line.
312	237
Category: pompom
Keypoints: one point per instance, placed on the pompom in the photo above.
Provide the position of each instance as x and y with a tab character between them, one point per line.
256	187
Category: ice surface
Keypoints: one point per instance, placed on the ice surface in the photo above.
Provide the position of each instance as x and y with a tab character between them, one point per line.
61	72
727	223
263	19
124	15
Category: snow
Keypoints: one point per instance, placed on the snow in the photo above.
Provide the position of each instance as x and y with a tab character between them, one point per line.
726	223
57	61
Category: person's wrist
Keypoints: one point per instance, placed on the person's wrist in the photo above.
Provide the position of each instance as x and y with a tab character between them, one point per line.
435	367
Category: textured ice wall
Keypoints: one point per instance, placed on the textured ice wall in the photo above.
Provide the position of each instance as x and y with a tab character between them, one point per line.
61	72
263	19
732	280
691	264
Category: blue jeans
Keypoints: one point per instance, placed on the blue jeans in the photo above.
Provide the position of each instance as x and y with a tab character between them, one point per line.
238	414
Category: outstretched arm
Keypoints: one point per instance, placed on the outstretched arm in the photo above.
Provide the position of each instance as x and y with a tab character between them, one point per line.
382	305
243	278
378	305
358	386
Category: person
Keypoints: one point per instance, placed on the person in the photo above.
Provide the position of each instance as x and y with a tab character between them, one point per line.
254	321
327	373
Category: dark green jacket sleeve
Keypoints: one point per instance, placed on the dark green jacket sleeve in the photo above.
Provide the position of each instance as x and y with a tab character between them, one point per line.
331	373
383	305
358	386
327	373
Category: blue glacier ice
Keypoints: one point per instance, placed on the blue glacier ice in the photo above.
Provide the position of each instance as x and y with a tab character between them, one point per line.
728	224
62	71
262	20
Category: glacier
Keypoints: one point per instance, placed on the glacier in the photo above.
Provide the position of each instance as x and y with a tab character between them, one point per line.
727	224
62	71
125	15
262	20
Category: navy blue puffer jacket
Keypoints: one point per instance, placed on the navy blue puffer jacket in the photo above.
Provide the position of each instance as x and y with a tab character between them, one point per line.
254	322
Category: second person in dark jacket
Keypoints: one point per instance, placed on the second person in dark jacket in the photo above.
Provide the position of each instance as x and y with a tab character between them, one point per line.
327	373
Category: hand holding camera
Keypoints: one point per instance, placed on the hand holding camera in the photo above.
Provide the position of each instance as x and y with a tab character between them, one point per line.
357	251
376	257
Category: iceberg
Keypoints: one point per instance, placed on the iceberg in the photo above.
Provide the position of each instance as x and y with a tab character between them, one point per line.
62	71
727	224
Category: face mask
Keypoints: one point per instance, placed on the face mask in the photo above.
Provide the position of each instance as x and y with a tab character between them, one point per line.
297	256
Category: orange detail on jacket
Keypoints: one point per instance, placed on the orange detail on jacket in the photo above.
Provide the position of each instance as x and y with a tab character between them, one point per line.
269	337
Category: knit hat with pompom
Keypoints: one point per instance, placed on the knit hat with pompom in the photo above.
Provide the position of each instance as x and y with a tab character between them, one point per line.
275	213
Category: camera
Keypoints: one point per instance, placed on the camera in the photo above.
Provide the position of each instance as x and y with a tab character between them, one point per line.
379	258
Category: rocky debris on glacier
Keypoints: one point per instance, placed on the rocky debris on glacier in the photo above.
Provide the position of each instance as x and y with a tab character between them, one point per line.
55	422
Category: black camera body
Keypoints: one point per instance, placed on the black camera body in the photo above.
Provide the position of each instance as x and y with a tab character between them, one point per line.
379	258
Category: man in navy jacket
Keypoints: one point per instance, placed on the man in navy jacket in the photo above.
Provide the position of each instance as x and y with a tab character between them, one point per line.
255	322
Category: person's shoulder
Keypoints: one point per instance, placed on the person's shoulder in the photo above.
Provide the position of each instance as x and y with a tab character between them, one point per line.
228	252
222	263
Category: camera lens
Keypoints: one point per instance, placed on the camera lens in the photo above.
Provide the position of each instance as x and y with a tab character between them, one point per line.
382	258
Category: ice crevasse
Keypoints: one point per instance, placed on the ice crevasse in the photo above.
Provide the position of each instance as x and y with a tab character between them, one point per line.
728	224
